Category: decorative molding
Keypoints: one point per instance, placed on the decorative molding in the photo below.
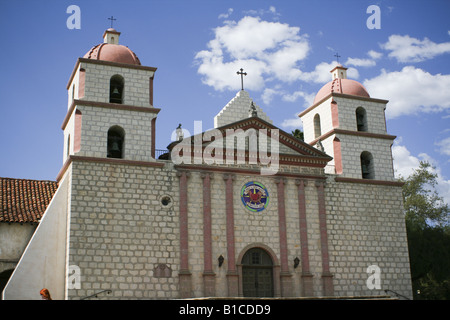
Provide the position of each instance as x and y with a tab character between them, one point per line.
370	181
353	133
341	95
73	158
116	106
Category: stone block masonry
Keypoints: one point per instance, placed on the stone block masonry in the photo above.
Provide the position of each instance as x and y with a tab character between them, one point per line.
97	121
136	83
237	109
120	231
366	226
126	240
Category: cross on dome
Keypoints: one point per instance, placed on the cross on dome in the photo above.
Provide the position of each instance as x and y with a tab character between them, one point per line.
112	20
337	57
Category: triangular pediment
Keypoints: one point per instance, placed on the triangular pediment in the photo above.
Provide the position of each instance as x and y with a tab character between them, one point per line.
250	141
288	143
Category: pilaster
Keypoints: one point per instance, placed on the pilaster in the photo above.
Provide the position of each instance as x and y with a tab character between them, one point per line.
209	281
327	277
184	273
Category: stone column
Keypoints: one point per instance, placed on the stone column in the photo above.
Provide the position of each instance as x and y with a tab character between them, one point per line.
327	277
232	274
307	277
209	277
285	275
184	274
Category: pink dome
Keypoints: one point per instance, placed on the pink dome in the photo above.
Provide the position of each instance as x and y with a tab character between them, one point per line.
113	53
345	86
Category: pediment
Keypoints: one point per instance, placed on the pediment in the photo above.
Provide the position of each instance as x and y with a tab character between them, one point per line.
251	140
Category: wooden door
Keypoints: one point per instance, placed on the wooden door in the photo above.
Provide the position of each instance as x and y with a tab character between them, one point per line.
257	274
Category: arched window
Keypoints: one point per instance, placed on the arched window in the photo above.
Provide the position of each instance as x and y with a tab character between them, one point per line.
77	132
317	129
361	119
68	147
116	141
367	165
116	86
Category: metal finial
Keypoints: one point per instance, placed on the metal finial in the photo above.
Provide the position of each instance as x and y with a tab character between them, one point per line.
337	57
242	73
112	20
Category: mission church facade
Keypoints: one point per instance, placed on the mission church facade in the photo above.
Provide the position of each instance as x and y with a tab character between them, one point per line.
325	215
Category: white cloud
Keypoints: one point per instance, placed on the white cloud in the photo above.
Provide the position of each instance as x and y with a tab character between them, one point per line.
273	10
405	164
374	54
251	37
408	49
266	50
307	97
226	15
320	74
295	123
357	62
411	91
268	95
444	146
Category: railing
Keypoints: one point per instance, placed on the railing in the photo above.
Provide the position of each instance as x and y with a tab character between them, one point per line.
396	294
96	294
159	152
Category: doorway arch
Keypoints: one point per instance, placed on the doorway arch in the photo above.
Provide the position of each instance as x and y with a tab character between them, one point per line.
258	272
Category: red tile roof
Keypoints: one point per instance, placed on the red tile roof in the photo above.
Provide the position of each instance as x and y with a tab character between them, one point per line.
23	200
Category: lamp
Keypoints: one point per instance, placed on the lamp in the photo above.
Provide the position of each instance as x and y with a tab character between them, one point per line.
296	262
221	259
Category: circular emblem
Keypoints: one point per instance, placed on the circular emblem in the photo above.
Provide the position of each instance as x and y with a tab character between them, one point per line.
255	196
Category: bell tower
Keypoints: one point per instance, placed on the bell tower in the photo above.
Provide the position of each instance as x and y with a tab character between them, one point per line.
110	104
350	126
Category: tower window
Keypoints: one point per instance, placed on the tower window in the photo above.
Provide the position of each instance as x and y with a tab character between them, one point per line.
361	119
367	165
116	139
116	86
68	147
317	129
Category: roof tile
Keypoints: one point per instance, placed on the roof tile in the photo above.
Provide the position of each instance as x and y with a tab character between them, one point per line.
24	200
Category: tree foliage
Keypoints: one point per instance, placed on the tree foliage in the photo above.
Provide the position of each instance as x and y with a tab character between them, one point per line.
297	133
427	223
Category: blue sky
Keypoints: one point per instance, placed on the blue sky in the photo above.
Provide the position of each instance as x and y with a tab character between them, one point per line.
286	47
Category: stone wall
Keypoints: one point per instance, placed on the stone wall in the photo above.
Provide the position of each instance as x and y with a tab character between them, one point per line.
366	226
352	147
96	121
124	239
376	121
14	238
238	109
121	236
136	83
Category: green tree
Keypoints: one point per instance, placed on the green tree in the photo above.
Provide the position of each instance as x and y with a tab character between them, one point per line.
427	224
297	133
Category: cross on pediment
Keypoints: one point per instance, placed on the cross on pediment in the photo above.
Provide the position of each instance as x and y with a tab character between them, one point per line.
242	74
